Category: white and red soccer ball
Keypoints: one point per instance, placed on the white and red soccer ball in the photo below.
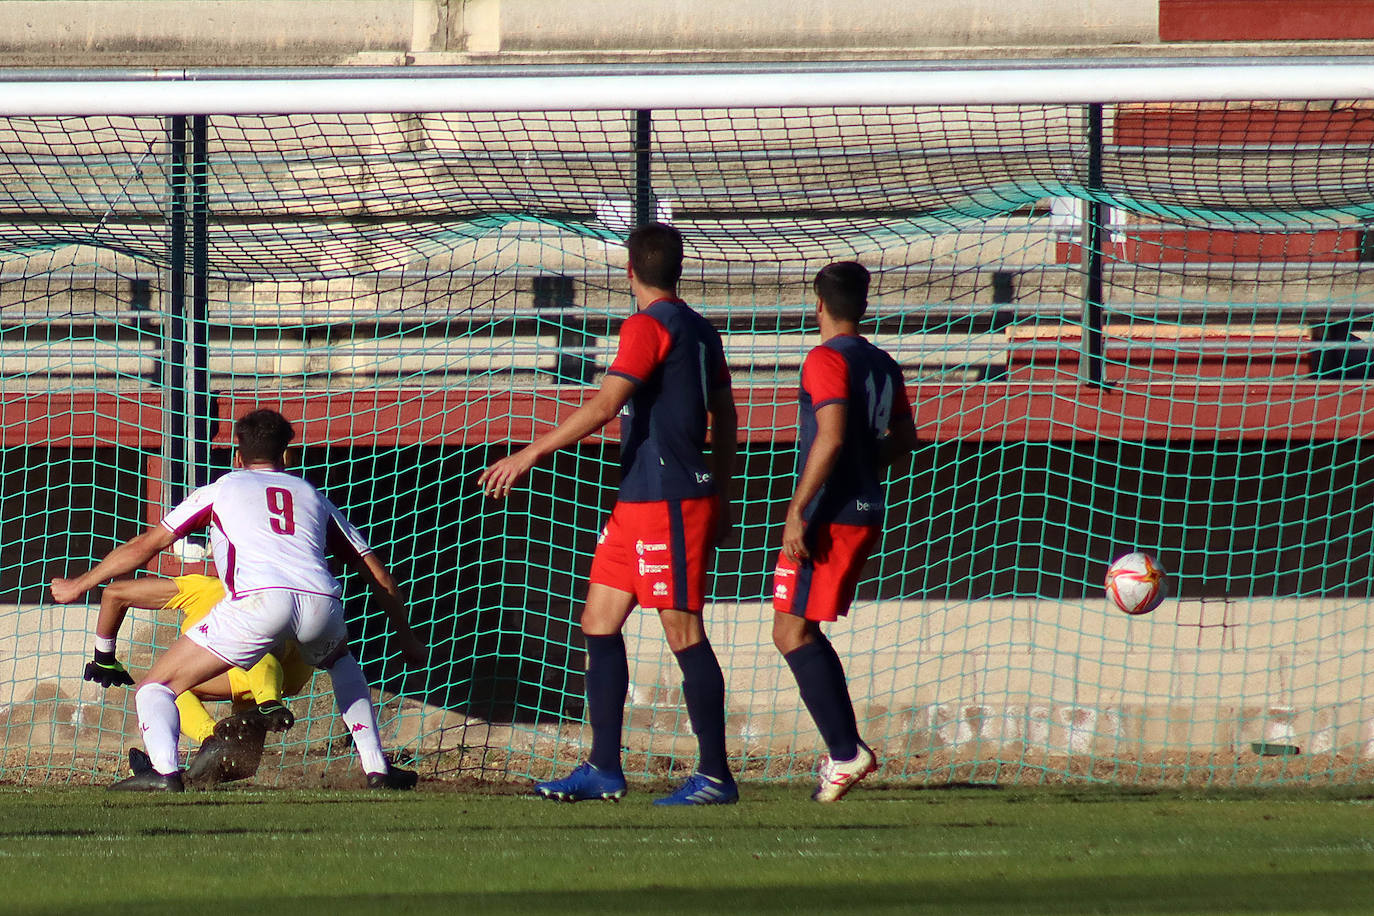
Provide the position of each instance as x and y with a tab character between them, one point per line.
1136	583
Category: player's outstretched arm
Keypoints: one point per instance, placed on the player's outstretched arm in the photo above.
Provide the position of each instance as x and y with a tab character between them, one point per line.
124	559
104	668
120	595
724	443
388	594
820	464
497	480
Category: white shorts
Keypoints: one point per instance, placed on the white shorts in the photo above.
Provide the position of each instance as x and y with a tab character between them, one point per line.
242	630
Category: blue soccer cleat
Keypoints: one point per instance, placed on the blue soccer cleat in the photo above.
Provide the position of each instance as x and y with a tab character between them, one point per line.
700	789
586	783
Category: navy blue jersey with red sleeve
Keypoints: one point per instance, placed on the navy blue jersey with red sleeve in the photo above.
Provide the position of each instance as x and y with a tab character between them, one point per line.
848	369
675	359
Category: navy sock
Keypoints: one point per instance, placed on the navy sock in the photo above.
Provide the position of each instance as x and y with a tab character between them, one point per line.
824	690
703	687
608	680
851	724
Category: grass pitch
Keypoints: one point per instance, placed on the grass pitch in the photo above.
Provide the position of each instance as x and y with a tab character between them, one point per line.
894	850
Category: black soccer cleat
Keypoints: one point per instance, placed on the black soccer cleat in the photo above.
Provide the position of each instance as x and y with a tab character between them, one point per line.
224	760
394	778
276	717
249	725
150	781
139	761
203	770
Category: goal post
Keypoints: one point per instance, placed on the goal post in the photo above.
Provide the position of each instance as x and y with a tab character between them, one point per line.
1132	302
695	87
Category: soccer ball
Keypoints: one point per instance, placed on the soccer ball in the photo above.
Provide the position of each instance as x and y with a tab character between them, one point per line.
1136	583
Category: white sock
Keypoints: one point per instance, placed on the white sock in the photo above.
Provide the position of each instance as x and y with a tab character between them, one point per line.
355	705
161	725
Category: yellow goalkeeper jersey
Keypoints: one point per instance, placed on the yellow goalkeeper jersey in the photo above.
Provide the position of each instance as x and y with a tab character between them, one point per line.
194	598
196	595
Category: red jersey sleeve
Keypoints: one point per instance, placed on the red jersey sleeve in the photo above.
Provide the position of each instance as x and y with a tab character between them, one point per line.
643	346
825	377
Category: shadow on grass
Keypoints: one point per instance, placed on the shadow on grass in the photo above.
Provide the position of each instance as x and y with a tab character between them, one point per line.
1333	891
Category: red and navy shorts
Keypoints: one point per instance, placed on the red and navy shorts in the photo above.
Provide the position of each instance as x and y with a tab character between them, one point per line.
659	551
822	587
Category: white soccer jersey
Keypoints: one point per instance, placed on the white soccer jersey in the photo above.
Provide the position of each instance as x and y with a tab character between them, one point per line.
269	529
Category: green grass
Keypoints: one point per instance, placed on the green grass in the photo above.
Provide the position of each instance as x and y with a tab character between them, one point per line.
908	850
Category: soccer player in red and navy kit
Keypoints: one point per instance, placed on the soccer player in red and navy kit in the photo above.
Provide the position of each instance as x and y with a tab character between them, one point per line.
855	421
669	374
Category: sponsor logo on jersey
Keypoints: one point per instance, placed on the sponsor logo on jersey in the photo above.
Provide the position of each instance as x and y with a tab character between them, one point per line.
703	476
861	505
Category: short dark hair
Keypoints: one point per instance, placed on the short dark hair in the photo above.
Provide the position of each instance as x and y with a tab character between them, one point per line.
843	287
656	255
263	436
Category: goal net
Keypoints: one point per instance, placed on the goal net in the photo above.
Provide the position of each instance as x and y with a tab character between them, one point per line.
1131	315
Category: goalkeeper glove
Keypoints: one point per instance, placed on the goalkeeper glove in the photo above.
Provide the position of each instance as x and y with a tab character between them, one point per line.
106	671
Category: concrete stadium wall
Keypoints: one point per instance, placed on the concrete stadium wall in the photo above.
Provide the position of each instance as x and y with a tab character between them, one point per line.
824	24
991	679
97	33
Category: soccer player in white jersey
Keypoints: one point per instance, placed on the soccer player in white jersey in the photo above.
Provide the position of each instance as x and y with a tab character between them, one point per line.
271	534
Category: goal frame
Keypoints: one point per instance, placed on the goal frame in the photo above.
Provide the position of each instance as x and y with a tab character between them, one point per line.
208	92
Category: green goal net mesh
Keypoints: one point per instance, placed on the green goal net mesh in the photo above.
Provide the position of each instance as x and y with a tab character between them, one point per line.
1130	327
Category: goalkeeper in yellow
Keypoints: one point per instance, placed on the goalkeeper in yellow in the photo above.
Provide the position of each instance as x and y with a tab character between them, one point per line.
232	748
